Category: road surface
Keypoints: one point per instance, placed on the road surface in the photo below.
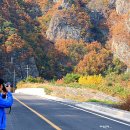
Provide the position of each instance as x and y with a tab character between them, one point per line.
35	113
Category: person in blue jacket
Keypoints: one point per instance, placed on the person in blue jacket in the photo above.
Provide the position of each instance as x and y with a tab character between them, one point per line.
6	101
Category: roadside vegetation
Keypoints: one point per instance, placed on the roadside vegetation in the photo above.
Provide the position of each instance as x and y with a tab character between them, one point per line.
77	87
112	84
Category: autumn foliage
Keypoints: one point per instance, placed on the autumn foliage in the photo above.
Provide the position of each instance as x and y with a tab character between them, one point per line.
91	80
23	30
95	61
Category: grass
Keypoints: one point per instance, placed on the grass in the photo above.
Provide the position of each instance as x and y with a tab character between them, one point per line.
113	84
61	91
126	104
115	90
102	101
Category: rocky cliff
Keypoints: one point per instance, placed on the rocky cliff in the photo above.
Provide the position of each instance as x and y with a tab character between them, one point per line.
60	28
121	41
76	20
122	6
30	29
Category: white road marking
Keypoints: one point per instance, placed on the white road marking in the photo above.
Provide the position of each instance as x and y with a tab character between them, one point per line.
103	116
105	126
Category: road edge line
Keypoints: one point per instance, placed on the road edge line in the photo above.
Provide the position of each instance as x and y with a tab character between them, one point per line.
94	113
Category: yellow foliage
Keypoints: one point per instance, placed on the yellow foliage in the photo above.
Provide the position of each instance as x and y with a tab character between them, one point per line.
91	80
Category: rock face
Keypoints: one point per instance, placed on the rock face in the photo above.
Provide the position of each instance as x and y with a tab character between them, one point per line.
121	50
101	5
121	46
112	3
122	6
59	28
127	22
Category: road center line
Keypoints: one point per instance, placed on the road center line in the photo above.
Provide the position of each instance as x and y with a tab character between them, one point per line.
39	115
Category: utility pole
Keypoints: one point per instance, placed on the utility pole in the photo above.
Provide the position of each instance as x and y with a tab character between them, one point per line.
11	60
14	73
27	71
14	78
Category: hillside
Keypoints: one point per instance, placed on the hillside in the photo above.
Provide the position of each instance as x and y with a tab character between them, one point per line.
56	37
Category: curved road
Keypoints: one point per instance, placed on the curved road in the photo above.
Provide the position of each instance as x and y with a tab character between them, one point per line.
44	114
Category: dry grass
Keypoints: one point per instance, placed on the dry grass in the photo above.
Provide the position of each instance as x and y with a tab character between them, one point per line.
52	90
29	85
126	104
77	94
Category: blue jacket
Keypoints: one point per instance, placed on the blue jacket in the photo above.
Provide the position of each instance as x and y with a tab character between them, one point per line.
4	103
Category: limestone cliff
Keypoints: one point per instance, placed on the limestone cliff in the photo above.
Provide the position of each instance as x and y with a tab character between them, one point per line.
77	21
60	28
121	43
122	6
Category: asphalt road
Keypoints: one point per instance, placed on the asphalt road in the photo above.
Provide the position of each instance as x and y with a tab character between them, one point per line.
55	114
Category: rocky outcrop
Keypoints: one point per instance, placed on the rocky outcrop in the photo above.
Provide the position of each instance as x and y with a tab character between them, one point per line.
122	6
121	45
60	28
121	50
101	5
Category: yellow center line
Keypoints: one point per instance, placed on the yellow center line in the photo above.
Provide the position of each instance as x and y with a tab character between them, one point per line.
39	115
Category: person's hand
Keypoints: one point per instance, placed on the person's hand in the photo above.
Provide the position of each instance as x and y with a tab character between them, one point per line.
8	89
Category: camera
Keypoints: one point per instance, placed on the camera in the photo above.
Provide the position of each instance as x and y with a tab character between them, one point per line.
8	84
4	88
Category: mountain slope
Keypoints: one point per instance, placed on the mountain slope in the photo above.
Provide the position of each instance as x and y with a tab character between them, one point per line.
55	37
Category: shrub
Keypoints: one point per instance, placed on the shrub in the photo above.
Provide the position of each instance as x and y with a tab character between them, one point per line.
125	77
60	81
109	84
34	80
20	84
8	43
118	89
48	90
126	104
91	80
69	78
112	78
